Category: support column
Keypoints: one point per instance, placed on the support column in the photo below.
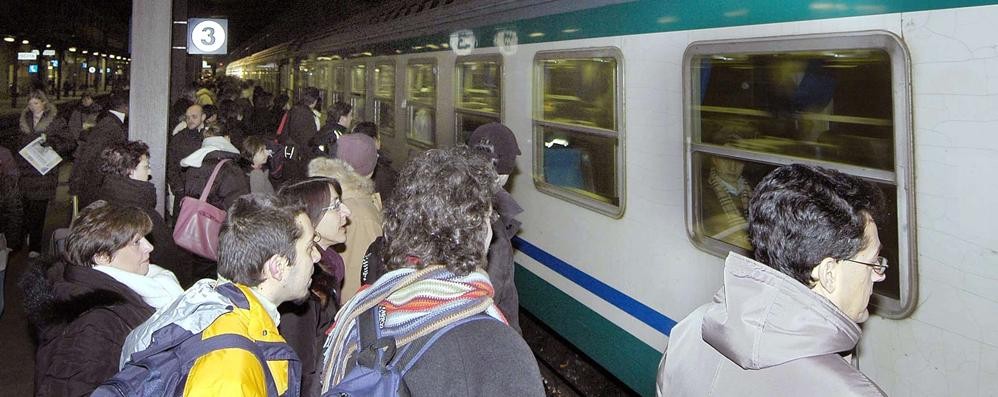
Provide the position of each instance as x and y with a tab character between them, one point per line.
149	100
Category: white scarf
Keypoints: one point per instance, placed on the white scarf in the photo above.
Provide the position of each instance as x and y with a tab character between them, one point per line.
158	288
210	144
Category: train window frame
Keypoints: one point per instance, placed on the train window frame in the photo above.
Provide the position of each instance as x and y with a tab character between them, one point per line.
411	105
379	99
582	198
460	112
354	96
902	177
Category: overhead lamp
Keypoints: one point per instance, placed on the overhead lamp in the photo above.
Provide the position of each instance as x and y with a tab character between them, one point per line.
9	39
48	46
72	49
25	41
84	52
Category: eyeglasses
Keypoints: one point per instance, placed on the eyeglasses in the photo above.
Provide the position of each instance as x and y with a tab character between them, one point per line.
880	267
335	206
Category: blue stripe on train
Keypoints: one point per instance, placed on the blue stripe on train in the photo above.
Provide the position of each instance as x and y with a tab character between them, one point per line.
638	310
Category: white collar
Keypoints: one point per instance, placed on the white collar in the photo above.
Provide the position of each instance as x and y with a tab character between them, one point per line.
121	116
268	306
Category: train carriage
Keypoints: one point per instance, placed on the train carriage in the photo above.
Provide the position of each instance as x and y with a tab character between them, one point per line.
634	119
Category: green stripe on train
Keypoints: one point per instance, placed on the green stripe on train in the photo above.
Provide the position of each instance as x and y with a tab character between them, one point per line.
626	357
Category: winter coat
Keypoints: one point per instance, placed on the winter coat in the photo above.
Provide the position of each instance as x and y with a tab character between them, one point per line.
205	97
11	210
764	334
34	185
231	181
500	257
81	318
304	327
298	132
324	142
365	217
385	177
126	191
87	178
82	116
181	145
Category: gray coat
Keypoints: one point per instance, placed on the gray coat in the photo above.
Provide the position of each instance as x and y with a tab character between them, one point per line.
764	334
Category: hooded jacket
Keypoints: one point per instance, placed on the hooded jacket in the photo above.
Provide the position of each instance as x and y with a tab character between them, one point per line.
81	317
365	217
231	181
34	185
764	334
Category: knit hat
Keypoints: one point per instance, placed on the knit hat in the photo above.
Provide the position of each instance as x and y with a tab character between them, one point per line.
503	143
359	151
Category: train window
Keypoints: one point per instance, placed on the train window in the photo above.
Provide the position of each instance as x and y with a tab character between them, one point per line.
836	101
358	91
384	97
578	138
421	92
339	83
478	93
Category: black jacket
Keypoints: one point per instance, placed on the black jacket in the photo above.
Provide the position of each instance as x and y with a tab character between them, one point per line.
81	318
34	185
501	257
11	211
230	183
181	145
384	177
86	178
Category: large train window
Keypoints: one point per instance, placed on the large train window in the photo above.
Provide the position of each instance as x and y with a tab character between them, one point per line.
836	101
358	91
384	96
478	96
339	83
421	95
578	136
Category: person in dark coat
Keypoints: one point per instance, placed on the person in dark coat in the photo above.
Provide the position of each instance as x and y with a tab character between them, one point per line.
301	127
84	116
338	118
10	201
230	183
181	145
110	130
499	143
385	175
125	167
261	119
39	119
83	305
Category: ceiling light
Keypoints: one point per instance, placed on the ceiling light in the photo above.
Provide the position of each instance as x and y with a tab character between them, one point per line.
72	49
25	42
9	39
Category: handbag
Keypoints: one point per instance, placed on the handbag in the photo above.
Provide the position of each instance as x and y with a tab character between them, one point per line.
199	223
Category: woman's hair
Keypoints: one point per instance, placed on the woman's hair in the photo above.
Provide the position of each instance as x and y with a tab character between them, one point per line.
122	158
440	211
39	95
313	193
251	146
213	129
102	229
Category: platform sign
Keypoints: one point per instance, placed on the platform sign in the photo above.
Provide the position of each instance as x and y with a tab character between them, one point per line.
462	42
26	56
33	68
48	53
207	36
507	41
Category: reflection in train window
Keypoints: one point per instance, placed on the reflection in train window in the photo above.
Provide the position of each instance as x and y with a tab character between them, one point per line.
466	123
339	83
756	105
421	91
384	97
358	92
478	93
577	133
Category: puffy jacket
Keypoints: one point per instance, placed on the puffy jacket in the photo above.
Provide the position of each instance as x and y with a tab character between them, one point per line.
34	185
231	181
764	334
204	308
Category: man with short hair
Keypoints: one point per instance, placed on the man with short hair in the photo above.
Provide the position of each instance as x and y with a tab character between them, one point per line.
265	258
786	323
182	144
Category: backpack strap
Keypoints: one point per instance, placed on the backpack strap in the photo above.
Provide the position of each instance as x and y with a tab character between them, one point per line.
230	341
280	127
375	351
211	180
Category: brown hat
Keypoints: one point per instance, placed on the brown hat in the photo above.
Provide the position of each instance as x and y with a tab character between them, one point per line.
359	151
503	143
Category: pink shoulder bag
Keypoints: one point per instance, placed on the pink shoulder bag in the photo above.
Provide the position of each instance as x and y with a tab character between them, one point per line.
199	223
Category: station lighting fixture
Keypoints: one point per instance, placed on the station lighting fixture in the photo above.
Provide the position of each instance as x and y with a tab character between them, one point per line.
84	52
25	41
48	46
9	39
72	49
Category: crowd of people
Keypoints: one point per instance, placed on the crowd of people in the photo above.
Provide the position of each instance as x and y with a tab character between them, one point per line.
335	274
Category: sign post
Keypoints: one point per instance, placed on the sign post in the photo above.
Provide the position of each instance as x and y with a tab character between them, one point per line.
207	36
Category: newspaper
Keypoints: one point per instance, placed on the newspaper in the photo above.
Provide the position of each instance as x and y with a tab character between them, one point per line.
43	158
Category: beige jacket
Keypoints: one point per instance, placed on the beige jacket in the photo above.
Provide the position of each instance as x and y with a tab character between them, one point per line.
365	217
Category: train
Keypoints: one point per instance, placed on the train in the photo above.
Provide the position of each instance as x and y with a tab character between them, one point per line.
634	119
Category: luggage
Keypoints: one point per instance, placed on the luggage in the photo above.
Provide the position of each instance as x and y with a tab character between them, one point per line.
199	223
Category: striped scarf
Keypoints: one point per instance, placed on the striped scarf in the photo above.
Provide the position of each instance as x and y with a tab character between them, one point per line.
412	303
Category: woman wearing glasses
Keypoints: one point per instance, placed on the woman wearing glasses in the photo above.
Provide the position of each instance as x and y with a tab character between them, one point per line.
303	323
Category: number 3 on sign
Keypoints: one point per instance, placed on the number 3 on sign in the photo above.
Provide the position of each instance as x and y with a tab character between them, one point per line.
208	36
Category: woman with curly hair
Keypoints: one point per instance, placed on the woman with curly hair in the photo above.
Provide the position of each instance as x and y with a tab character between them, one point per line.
437	233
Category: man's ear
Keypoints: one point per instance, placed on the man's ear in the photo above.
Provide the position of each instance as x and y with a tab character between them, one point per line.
275	267
825	274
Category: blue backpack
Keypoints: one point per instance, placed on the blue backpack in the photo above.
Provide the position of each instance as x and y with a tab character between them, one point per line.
380	365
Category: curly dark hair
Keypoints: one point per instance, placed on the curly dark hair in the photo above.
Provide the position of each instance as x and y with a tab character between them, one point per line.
801	214
122	158
441	211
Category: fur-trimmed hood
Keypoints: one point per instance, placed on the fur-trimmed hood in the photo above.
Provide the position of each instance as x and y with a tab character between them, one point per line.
48	116
353	184
56	293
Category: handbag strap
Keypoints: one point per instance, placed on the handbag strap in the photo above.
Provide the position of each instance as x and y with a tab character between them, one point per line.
211	180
